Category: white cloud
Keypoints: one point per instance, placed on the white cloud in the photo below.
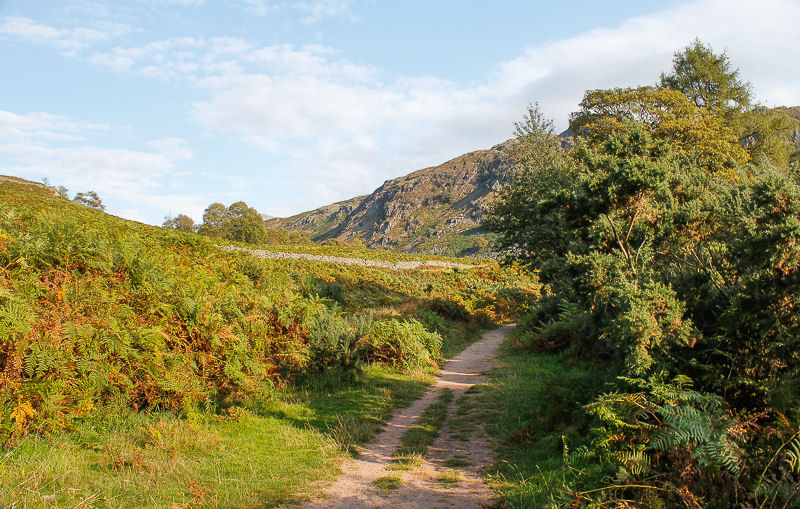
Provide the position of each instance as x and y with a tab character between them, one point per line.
343	128
68	40
258	7
317	10
313	10
44	127
36	145
166	59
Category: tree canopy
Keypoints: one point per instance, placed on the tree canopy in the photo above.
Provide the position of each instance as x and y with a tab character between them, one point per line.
181	222
237	222
90	199
669	252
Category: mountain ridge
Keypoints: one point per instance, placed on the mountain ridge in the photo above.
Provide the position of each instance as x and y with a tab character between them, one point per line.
436	210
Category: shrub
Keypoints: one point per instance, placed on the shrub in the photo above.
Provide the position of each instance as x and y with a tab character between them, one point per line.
404	344
334	340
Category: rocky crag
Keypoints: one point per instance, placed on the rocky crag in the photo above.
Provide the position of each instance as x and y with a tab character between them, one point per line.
438	210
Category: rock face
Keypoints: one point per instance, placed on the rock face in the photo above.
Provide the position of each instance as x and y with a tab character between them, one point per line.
435	210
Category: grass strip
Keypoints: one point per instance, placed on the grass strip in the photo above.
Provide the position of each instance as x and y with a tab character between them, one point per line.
388	483
531	405
416	440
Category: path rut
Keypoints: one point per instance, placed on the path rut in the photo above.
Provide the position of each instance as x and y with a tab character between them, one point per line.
421	488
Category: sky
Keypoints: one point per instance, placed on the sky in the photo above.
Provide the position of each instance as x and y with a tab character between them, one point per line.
165	106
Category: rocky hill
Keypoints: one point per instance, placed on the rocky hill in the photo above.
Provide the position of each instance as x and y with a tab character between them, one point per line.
437	210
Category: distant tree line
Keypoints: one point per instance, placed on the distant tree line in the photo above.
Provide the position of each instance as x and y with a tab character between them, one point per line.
88	199
238	222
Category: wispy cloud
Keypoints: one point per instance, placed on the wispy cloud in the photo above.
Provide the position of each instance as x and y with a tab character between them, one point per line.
344	127
67	40
41	128
318	10
37	145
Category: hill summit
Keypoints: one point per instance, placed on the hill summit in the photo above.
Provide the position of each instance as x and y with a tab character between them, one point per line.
438	210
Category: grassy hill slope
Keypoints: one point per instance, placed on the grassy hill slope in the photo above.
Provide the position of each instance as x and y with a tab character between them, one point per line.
141	365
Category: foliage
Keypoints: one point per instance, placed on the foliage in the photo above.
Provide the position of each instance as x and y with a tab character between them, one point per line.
707	79
99	314
237	222
404	344
692	132
181	222
709	82
667	254
265	453
88	199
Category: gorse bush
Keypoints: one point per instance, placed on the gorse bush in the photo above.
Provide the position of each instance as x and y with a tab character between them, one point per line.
670	255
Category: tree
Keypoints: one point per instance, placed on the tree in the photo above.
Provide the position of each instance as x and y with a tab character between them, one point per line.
479	243
181	222
215	221
543	166
692	131
708	80
246	224
238	222
90	199
683	284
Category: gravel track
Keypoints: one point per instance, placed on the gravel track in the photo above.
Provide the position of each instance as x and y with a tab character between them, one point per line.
421	487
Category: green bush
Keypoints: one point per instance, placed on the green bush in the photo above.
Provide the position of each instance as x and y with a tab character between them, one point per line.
335	340
404	344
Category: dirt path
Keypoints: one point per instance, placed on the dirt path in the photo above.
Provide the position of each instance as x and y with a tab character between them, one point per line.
422	487
343	260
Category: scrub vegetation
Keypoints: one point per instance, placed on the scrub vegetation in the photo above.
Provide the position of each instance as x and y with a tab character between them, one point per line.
146	366
660	367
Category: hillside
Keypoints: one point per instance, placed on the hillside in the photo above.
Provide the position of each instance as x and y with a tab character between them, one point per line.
437	210
137	363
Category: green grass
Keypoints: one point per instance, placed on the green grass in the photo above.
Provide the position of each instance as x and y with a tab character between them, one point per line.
456	462
243	458
530	406
388	483
450	477
142	366
415	441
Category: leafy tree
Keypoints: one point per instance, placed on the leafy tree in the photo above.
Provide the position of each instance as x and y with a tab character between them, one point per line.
480	243
246	224
90	199
667	253
692	131
710	82
543	166
238	222
181	222
215	221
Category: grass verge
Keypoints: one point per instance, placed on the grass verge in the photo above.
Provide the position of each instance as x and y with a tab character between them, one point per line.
531	406
257	457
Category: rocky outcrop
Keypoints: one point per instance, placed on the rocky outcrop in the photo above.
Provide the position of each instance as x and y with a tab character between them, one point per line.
434	210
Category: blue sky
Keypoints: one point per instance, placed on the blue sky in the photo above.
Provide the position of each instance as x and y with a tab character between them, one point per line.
165	106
